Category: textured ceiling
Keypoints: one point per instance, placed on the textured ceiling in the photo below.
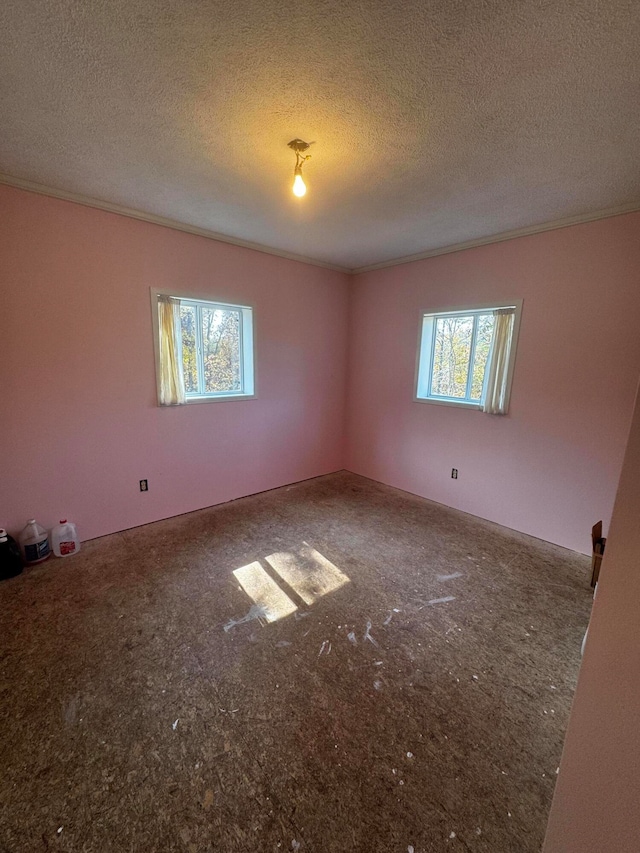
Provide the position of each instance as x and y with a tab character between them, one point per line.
434	122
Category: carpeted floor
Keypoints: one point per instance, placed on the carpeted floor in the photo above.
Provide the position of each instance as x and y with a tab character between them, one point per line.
383	674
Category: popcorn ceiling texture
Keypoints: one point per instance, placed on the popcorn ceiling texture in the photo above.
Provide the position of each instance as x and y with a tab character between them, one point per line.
435	123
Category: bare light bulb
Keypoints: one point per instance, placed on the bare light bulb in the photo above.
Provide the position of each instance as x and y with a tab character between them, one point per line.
299	186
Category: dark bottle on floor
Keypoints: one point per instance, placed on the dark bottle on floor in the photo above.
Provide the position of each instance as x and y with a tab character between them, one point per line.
10	559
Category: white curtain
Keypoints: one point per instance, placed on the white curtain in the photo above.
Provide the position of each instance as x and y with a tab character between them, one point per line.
170	344
495	401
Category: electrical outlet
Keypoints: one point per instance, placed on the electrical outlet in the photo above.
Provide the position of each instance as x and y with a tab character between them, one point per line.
454	474
144	486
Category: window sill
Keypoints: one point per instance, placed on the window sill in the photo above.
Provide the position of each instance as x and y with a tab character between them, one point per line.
222	398
461	404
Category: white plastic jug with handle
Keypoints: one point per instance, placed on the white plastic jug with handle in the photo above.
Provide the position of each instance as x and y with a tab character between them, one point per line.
34	542
64	539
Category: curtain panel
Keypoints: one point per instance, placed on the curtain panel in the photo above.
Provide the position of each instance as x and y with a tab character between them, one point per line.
495	401
170	350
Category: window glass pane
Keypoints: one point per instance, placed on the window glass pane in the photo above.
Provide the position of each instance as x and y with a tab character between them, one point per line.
221	349
189	354
483	343
451	355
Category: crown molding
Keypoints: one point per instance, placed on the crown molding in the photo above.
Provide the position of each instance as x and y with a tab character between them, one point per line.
528	231
120	210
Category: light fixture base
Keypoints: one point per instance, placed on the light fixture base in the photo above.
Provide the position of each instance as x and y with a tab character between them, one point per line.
299	145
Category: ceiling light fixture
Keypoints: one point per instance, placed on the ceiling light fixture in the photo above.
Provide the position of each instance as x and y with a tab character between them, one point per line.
299	186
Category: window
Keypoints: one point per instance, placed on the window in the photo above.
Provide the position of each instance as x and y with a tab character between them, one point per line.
466	357
204	350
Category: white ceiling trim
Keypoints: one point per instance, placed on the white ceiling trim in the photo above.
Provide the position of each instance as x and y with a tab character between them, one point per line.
141	215
528	231
505	235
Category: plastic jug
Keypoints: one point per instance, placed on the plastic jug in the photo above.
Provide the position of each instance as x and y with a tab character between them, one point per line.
64	539
34	542
10	559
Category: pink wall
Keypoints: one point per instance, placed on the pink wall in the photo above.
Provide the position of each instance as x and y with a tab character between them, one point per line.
550	468
80	425
595	808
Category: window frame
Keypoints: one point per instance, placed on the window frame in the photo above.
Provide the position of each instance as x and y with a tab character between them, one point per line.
247	346
424	357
